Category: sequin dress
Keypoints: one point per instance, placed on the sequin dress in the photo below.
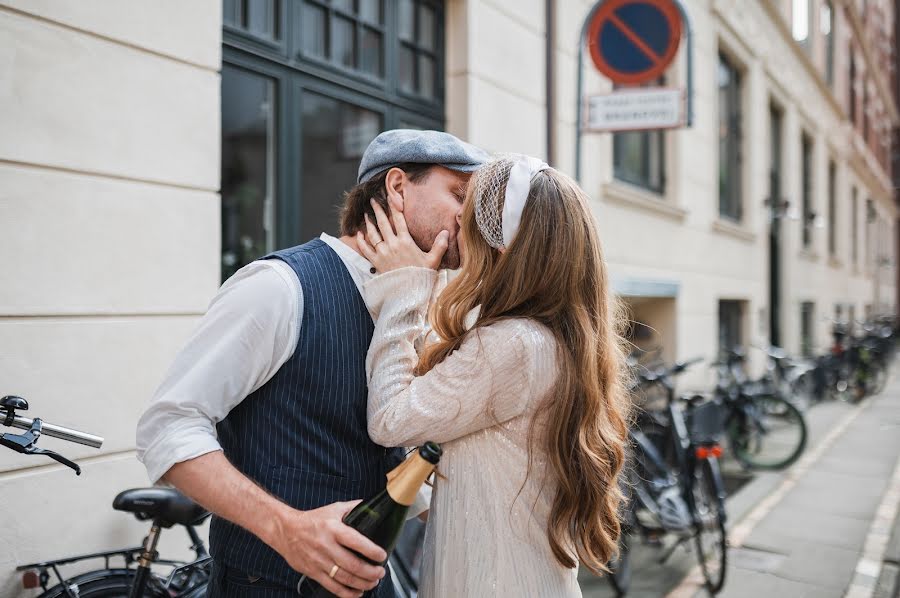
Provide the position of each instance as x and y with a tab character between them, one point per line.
486	534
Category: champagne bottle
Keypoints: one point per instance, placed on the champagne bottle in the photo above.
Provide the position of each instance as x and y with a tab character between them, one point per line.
381	517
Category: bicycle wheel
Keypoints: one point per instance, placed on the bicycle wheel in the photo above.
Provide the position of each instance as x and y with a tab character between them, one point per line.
879	379
106	583
767	432
709	524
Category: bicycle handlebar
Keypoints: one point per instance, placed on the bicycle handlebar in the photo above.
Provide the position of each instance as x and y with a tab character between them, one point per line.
63	433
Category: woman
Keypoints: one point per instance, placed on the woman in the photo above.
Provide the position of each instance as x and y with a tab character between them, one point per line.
523	389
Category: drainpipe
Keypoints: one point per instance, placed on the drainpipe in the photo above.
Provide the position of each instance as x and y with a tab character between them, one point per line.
550	87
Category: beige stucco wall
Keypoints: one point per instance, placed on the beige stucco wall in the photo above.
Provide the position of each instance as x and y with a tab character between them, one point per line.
679	237
109	215
109	210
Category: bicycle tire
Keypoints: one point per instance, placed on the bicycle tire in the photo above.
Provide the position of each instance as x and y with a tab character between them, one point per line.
104	583
745	436
709	525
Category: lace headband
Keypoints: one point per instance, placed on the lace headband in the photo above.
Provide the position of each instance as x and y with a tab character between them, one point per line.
509	176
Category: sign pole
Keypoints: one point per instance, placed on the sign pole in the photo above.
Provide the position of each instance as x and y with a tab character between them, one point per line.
579	99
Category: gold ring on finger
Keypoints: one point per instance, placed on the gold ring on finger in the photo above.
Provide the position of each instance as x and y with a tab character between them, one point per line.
334	571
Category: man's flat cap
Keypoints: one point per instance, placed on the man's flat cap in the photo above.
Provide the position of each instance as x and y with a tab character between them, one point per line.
402	146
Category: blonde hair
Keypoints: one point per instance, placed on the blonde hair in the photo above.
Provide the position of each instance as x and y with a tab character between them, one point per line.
554	273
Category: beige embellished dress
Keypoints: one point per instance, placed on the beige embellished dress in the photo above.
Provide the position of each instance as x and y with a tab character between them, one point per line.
486	534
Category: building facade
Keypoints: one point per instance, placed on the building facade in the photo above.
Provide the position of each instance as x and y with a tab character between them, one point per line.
148	150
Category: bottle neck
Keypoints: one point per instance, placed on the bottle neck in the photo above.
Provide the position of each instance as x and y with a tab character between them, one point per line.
405	480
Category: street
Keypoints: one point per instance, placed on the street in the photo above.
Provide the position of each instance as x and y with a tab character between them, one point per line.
820	529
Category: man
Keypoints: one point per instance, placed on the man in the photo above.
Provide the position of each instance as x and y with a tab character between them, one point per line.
262	417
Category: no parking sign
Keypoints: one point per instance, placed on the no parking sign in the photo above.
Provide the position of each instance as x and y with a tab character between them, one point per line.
634	41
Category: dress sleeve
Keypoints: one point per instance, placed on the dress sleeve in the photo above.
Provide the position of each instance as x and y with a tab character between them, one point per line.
490	379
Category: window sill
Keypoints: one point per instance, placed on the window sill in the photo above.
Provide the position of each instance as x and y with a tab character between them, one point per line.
634	196
733	229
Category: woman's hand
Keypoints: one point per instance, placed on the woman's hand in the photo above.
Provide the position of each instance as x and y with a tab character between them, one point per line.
389	250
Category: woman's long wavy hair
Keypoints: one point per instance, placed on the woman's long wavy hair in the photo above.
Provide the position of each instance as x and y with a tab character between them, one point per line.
553	272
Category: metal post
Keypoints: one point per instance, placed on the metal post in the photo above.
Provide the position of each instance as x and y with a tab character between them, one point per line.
579	100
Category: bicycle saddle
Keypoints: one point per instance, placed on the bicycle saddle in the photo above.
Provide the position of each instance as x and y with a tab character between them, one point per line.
165	505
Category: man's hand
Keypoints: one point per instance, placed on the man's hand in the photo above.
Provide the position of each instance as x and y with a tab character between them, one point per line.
313	542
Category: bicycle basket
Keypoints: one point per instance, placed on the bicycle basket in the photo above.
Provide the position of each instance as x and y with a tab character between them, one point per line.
706	422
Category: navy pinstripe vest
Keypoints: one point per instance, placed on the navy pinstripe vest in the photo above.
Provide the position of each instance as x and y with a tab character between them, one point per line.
302	436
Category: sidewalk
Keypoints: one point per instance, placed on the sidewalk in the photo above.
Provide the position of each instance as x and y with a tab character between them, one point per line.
819	530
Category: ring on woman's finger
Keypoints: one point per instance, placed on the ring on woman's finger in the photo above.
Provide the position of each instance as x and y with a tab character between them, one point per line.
334	571
379	241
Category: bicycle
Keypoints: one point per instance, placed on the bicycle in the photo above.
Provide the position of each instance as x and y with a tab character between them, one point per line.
765	429
162	506
673	481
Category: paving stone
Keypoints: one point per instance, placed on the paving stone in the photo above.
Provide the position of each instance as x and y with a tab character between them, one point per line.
888	585
837	494
742	583
821	565
805	524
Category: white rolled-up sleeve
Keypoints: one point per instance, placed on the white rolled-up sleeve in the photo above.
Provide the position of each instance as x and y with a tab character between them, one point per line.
249	331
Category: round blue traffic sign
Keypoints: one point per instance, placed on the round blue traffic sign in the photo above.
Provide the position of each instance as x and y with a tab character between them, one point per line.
634	41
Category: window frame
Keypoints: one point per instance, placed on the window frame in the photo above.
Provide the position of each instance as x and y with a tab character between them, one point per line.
643	180
854	229
731	313
832	208
807	328
731	204
292	76
829	39
807	157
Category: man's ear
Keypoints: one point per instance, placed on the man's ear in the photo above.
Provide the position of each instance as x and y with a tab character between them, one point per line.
395	183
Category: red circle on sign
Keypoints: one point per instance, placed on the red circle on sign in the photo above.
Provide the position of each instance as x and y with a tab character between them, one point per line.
606	15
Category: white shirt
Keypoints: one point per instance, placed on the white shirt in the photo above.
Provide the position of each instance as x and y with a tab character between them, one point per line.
249	331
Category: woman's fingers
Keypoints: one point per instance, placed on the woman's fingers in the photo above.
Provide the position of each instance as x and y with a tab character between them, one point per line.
399	221
372	232
367	250
384	225
438	249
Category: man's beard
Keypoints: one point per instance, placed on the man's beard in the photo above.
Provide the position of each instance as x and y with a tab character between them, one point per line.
451	259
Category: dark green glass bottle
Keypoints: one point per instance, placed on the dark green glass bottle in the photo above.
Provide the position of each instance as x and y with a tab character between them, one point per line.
381	517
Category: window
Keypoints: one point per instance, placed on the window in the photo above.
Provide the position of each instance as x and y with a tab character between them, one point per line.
854	227
832	210
871	217
807	344
339	133
419	43
865	113
852	87
306	85
730	324
800	20
730	139
826	26
806	197
259	18
345	33
639	158
247	167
